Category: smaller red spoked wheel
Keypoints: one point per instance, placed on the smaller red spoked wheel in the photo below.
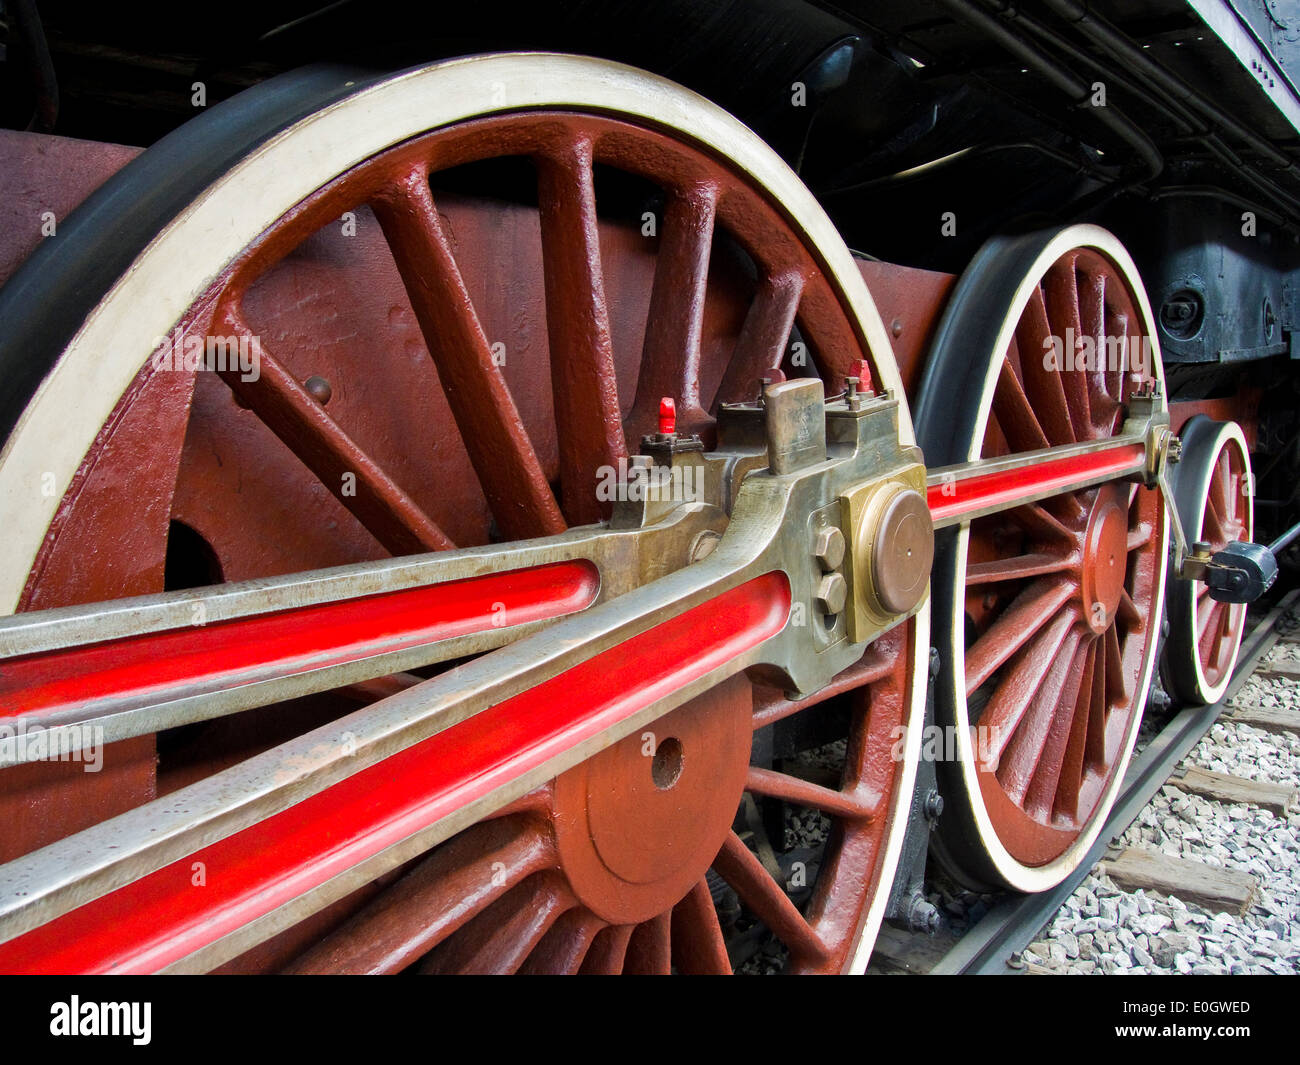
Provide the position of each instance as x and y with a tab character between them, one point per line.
1048	612
1212	488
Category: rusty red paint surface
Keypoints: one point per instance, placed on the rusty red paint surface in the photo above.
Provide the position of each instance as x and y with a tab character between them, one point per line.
910	303
40	174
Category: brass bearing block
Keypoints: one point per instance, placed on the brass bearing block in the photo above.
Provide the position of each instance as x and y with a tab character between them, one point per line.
891	539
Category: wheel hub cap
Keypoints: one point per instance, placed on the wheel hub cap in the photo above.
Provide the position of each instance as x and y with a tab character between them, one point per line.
640	823
1105	558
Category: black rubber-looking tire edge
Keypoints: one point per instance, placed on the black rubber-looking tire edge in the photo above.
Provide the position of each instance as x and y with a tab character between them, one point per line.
1199	436
946	413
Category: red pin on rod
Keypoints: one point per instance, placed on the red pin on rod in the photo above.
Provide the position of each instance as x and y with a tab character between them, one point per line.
667	417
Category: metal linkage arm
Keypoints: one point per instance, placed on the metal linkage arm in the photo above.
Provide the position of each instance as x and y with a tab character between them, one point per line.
93	674
289	831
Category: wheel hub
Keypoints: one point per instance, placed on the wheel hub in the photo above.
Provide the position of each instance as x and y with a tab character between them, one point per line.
1105	558
640	823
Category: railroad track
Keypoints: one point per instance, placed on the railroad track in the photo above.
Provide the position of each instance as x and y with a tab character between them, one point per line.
992	946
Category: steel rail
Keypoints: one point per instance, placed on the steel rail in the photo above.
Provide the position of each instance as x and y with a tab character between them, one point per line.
1013	923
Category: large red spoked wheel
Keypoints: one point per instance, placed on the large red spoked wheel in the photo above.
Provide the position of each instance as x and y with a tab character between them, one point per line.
1050	611
1213	489
555	323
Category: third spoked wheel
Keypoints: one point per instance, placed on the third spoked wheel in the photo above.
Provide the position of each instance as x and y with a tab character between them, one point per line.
1047	615
1212	486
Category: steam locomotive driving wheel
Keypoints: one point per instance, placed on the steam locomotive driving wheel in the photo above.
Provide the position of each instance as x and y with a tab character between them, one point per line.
261	820
1051	610
1212	486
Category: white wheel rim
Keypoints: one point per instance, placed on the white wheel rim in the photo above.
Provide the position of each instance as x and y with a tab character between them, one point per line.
148	300
103	358
1017	875
1229	433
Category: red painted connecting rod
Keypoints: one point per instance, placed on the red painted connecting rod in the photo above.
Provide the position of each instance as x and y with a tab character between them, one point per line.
168	913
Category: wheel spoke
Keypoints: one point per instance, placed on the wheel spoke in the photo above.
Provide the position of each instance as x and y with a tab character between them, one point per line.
804	793
352	476
562	950
1026	615
1095	755
502	936
449	888
1210	627
764	336
649	951
1018	567
1215	530
1062	287
490	426
1043	387
1015	414
1092	311
698	946
740	868
1128	612
1069	780
1024	687
1223	647
1117	325
607	951
1219	482
1044	764
1140	537
1037	521
584	389
772	704
670	359
1117	679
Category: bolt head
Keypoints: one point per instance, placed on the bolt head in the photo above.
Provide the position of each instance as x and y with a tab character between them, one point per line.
923	916
319	389
933	806
832	593
828	546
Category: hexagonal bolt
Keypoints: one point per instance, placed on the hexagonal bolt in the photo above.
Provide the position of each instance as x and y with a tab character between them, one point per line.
922	916
828	546
832	593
